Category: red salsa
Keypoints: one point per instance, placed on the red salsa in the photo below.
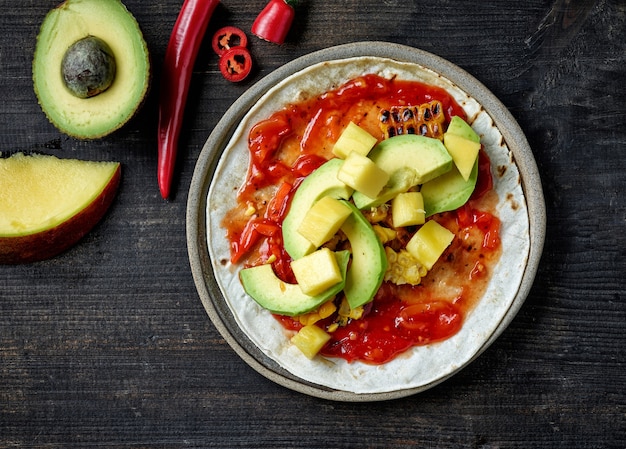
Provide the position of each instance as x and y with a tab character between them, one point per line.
289	145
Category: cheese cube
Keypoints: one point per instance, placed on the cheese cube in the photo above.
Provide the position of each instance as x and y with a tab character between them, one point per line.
463	151
317	271
353	138
407	209
323	220
363	175
429	243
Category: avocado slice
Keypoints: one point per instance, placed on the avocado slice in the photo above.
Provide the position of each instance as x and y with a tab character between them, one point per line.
399	182
271	293
420	158
322	182
450	191
426	155
461	128
369	261
101	114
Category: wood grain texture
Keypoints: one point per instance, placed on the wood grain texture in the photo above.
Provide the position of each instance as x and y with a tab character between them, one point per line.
108	345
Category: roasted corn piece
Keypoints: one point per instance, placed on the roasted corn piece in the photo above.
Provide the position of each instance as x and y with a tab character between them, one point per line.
426	119
403	268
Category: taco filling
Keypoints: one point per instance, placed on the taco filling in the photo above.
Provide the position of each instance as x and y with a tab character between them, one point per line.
373	205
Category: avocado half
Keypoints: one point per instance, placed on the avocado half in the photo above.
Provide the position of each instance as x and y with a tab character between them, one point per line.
97	116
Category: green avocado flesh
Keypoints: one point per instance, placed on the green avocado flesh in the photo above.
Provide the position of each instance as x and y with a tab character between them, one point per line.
101	114
322	182
450	191
426	155
369	261
409	159
262	284
461	128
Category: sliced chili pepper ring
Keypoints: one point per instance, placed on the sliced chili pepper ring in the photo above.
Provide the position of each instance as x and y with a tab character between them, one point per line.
227	38
236	64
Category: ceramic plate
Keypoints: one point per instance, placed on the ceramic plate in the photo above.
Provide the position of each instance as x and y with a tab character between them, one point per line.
254	334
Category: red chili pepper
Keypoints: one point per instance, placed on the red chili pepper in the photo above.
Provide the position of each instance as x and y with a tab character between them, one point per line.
277	207
274	21
180	56
228	37
236	64
250	235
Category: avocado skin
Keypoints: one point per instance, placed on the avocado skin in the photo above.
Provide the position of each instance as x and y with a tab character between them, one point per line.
101	115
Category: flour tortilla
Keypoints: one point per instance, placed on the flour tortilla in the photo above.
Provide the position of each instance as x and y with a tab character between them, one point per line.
422	365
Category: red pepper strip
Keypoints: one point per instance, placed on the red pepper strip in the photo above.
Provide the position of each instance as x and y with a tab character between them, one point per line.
274	21
250	235
277	207
180	56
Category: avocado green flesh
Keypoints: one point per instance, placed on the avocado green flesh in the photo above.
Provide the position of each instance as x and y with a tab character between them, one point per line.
410	160
427	156
369	261
271	293
449	191
461	128
322	182
102	114
400	181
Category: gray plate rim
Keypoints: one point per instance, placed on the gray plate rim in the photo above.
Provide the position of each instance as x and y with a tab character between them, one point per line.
206	286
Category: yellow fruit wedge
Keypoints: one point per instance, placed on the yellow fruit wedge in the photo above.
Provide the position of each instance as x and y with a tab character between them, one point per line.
353	138
407	209
464	153
310	340
363	175
323	220
47	204
317	271
429	242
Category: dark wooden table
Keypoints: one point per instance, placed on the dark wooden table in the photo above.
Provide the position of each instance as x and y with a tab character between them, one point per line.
108	344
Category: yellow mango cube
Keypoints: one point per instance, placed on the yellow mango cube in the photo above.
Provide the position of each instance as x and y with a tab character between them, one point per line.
323	220
363	175
353	138
463	151
310	340
317	271
429	242
407	209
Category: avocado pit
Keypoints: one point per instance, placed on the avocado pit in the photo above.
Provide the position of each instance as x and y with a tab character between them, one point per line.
88	67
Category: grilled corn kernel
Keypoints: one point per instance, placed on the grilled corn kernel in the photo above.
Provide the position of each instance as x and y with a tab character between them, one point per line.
327	309
403	268
377	214
426	119
250	211
384	234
